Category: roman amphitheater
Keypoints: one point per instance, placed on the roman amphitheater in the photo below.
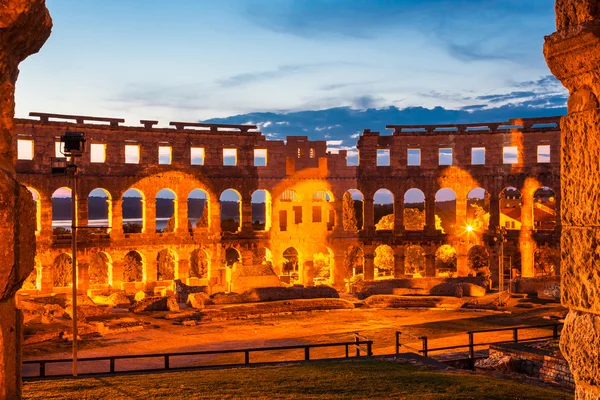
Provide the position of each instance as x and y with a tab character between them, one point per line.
221	205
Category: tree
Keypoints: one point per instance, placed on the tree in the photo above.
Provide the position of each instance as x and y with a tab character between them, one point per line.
384	258
353	261
170	225
349	213
321	265
481	218
478	257
547	261
98	269
198	264
438	224
31	281
166	265
386	223
415	260
414	219
203	221
446	256
62	270
132	267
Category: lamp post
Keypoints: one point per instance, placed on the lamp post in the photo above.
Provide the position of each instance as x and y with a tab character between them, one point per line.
73	147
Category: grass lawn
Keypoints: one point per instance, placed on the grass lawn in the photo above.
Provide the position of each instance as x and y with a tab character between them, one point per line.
339	380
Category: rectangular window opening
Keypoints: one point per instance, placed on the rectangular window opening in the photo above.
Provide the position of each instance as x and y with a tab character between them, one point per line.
510	155
59	149
414	157
283	220
445	156
197	155
478	156
297	214
132	154
260	157
311	153
229	157
383	157
97	152
24	149
317	214
543	153
164	155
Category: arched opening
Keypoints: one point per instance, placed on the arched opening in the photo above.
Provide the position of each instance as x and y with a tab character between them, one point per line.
414	261
353	210
133	207
547	261
289	195
414	210
231	256
166	265
262	256
198	209
291	261
99	208
479	259
38	209
133	267
445	260
33	281
511	262
384	261
100	269
383	210
198	264
62	204
510	209
354	262
323	213
166	211
445	210
231	211
62	270
261	210
478	209
544	209
321	264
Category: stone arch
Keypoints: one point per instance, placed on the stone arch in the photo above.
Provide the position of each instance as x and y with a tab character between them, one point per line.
445	210
414	210
414	261
62	270
544	209
383	210
323	195
167	265
478	209
231	255
261	210
100	269
384	261
134	267
291	263
478	258
38	209
199	264
445	260
62	203
354	261
99	208
198	208
231	210
133	210
353	210
166	211
510	208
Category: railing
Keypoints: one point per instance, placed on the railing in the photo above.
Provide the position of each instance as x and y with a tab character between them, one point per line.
362	346
426	350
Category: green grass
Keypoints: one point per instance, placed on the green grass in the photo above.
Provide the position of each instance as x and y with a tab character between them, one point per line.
339	380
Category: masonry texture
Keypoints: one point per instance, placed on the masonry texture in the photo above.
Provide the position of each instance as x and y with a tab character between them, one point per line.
24	27
304	187
573	55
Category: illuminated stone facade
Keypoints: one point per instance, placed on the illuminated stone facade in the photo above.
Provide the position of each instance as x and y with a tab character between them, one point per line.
304	188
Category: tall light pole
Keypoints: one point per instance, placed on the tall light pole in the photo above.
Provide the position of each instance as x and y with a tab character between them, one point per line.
73	147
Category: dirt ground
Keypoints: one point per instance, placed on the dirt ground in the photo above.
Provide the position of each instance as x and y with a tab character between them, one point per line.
442	327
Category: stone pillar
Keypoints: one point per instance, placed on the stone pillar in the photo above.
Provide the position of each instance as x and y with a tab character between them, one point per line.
338	207
430	214
339	272
182	215
25	26
527	248
368	214
399	267
461	212
494	212
46	217
430	265
246	219
116	230
462	263
81	202
215	215
399	214
369	267
573	55
183	269
150	216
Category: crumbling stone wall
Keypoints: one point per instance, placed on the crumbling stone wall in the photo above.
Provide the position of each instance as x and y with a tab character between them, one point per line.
573	55
24	27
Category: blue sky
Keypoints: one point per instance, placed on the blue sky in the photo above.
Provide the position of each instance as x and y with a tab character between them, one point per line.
197	60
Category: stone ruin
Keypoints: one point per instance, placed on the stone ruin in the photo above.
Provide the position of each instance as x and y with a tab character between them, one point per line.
573	55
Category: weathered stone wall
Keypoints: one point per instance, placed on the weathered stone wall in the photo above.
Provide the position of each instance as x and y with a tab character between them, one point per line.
24	27
573	55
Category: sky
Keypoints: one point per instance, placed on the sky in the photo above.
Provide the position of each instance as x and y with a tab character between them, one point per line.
198	60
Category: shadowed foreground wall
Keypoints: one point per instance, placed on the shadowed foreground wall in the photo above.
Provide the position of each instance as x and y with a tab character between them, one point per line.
24	27
573	55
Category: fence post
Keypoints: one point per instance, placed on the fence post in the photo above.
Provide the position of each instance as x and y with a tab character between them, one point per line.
112	365
471	351
166	361
347	352
555	332
42	369
307	353
370	348
516	335
357	345
398	342
246	357
424	351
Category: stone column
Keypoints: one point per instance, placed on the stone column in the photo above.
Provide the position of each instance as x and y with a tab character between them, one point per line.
369	267
46	218
399	267
81	202
430	214
183	269
462	263
399	214
368	214
150	216
430	265
246	218
494	212
116	230
25	26
182	215
338	206
461	212
339	272
573	55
